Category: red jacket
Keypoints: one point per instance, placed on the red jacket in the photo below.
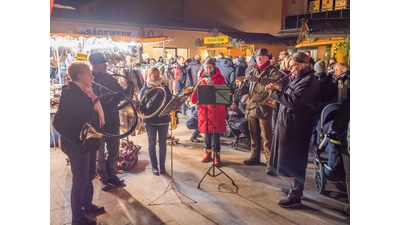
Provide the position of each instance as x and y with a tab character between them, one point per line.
208	111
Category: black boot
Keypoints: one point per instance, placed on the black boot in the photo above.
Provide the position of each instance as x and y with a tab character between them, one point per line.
155	170
162	168
253	160
270	171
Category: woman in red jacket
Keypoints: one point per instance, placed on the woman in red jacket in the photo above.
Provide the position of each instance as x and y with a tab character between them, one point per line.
206	113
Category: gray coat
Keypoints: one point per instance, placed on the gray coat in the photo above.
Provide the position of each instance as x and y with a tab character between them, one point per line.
290	143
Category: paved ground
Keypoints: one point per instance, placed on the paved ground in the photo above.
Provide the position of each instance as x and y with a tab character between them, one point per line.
149	199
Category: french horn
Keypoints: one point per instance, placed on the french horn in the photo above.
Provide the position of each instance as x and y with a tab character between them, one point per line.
157	88
129	91
94	131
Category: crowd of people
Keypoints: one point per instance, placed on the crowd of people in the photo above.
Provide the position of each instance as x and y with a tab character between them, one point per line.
275	106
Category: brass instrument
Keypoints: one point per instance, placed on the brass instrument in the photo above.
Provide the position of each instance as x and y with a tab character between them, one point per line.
157	88
174	117
257	100
93	131
128	91
190	90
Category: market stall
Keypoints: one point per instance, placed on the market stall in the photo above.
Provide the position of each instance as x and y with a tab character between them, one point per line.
123	53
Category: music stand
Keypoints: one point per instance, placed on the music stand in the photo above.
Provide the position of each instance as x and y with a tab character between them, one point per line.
215	95
173	105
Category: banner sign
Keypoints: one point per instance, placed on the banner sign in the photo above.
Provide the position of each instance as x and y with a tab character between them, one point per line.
106	31
216	40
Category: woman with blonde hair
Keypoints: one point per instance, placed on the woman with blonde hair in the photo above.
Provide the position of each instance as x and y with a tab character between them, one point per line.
155	125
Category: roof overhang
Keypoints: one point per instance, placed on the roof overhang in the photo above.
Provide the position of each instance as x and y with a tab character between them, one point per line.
127	39
324	28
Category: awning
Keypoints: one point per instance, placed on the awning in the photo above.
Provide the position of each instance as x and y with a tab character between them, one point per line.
128	39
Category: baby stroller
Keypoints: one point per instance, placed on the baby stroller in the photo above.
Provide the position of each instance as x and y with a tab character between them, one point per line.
237	134
328	163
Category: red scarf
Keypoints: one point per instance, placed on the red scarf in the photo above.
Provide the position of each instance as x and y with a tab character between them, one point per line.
263	66
97	106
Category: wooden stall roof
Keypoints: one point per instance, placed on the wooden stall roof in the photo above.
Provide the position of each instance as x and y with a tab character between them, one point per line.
329	27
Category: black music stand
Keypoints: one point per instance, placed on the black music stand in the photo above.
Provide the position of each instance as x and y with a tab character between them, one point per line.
215	95
174	105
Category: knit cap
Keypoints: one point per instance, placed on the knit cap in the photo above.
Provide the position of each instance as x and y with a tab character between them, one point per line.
320	66
210	61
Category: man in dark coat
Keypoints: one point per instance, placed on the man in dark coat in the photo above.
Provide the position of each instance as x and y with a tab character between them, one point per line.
106	165
192	75
290	143
225	65
193	70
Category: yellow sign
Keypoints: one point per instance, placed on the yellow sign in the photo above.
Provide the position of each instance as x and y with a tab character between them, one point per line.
216	40
81	56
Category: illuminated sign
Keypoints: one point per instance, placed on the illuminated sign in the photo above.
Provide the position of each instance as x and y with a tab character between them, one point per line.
81	56
216	40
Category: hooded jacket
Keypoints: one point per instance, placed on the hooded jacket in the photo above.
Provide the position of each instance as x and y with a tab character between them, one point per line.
227	70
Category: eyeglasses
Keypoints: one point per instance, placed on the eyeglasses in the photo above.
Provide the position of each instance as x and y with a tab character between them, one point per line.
294	65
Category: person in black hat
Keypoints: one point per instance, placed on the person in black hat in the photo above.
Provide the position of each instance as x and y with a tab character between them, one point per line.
106	166
259	115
